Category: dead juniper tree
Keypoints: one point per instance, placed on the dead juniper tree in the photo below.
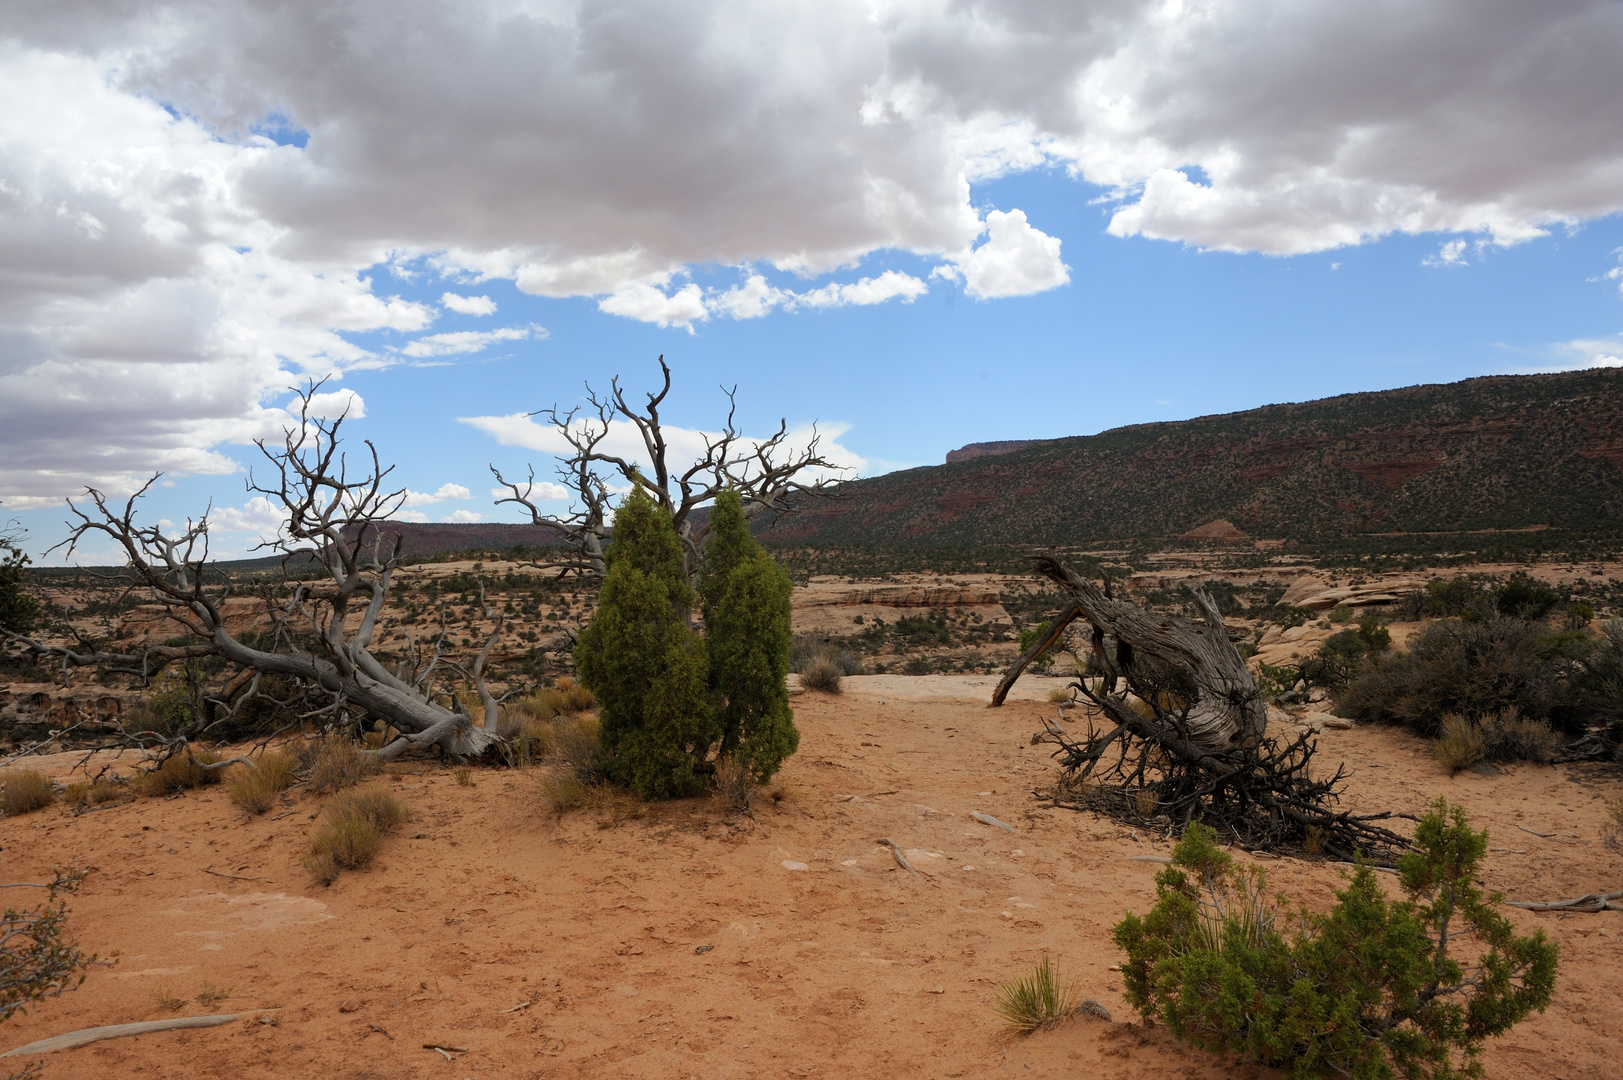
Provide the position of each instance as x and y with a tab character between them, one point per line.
1185	733
767	473
322	630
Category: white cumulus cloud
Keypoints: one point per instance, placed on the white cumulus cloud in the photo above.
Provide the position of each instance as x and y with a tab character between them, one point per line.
469	305
875	290
1016	260
648	303
445	492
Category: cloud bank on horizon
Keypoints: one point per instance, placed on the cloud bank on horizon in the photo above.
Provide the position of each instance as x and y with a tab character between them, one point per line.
199	201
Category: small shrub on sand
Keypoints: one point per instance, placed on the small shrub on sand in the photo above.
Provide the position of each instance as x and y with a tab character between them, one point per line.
180	773
86	793
335	762
1038	1001
563	791
255	789
822	675
25	791
1501	736
1611	832
1372	988
565	697
211	995
464	777
352	837
578	744
1060	695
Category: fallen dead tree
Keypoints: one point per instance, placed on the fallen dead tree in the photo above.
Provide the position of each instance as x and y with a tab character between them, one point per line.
1184	736
322	642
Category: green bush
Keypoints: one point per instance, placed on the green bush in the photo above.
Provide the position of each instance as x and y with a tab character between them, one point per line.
746	598
1038	1001
1474	668
646	668
35	960
1045	659
1342	656
1370	989
19	612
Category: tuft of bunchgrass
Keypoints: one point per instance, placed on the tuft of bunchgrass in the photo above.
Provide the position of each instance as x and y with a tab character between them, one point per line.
464	777
1061	695
352	837
822	675
255	788
1040	1000
562	790
1503	735
735	783
24	791
181	772
335	762
562	699
86	793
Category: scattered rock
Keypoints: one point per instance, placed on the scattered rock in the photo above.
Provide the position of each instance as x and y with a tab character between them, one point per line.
350	1005
790	864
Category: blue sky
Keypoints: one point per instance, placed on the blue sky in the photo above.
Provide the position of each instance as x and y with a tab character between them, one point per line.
818	204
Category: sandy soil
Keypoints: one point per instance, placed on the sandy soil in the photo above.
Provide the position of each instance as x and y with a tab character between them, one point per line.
685	942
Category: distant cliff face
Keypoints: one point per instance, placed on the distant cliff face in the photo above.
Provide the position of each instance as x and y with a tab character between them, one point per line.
1506	452
989	449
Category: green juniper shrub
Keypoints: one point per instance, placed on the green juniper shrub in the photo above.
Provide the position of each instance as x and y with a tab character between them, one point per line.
1370	989
19	612
1043	660
36	960
1342	655
647	669
746	598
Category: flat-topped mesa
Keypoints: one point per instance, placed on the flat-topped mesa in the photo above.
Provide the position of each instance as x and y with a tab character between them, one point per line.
975	450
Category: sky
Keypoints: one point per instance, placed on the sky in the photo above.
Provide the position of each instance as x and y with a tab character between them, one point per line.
914	224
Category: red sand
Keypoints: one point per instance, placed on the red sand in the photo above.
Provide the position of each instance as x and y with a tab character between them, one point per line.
825	961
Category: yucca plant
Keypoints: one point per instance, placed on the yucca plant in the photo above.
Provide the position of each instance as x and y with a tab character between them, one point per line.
1037	1001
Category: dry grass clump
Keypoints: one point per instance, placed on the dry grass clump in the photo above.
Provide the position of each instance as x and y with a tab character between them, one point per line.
1611	833
1504	735
255	789
1061	695
179	773
334	762
357	822
567	696
563	791
1037	1001
24	791
85	793
735	783
822	674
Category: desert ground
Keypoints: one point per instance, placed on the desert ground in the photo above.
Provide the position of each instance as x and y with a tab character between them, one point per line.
685	940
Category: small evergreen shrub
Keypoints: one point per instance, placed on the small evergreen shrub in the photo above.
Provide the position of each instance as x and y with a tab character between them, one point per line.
746	600
35	959
19	612
1040	1000
647	670
1340	658
1370	989
22	791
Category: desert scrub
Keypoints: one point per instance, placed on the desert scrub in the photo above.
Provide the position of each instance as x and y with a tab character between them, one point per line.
822	675
334	762
1501	736
357	822
22	791
563	791
1371	988
255	787
1038	1001
35	959
179	773
86	793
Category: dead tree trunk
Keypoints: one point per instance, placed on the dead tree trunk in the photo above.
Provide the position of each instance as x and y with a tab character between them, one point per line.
1228	711
323	632
1185	738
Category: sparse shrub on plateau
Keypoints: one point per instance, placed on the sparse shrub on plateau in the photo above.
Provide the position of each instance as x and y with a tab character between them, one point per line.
1370	989
646	668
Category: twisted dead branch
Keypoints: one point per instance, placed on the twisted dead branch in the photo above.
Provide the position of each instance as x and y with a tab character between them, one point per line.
769	475
1185	734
